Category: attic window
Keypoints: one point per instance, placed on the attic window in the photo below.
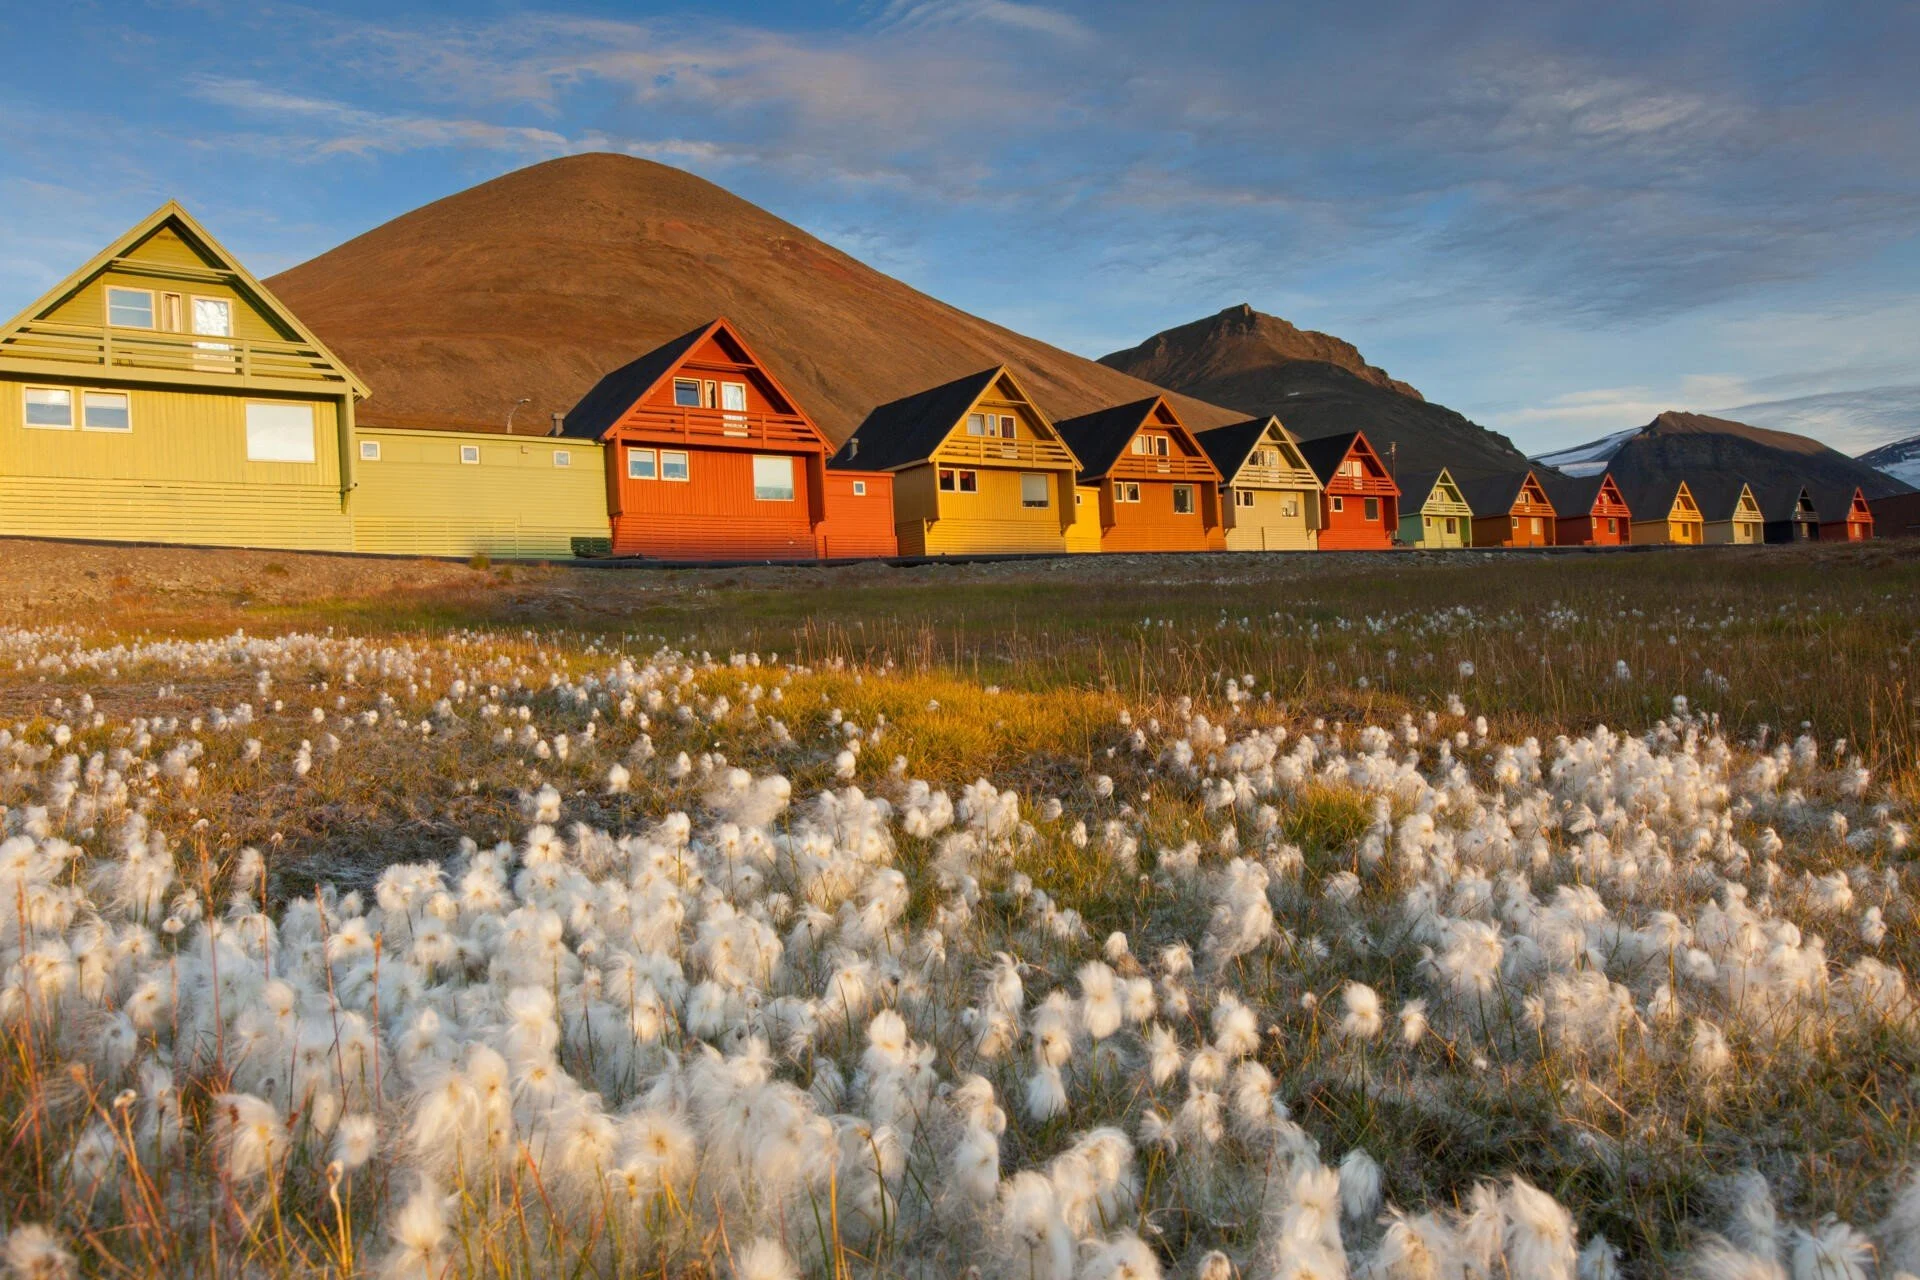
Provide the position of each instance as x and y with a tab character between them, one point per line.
977	424
686	393
1356	468
129	308
1006	426
1161	445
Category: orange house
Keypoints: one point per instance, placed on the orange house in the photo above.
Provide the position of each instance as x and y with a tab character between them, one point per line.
859	520
1157	488
708	457
1844	517
1590	511
1510	511
1360	503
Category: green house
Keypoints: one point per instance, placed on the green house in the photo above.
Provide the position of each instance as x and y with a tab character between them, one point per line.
1435	512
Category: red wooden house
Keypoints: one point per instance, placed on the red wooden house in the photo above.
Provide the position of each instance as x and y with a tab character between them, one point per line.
708	456
1360	503
1589	510
1844	516
1510	510
1158	489
859	520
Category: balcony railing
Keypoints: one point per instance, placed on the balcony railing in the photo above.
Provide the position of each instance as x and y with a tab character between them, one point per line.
992	450
1153	467
124	349
719	426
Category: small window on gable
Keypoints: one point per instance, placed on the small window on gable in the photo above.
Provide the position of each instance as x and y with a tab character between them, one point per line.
1140	445
976	424
50	407
106	411
686	393
1033	488
369	451
129	308
469	455
1006	426
1161	445
859	488
1356	468
562	457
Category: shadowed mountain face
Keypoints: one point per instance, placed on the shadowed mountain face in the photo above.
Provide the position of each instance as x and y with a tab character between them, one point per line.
1318	385
1683	445
1901	460
532	286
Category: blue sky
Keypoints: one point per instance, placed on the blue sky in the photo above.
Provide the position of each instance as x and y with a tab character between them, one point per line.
1558	218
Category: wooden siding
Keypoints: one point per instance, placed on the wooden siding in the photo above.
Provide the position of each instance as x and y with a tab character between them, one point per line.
991	521
1152	524
1530	522
418	498
1443	521
858	524
1348	528
1746	528
180	474
1084	534
1268	525
713	514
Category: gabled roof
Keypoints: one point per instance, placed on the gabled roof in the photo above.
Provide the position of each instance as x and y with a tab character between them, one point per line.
1835	501
189	228
1652	498
1326	454
1229	446
1099	438
906	431
1496	495
1718	496
1419	485
619	391
1572	495
1782	501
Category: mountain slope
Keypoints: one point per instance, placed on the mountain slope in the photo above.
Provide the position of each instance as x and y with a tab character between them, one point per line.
1680	445
1901	460
1318	385
535	284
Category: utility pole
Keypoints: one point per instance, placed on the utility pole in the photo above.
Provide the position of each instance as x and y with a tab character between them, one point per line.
516	408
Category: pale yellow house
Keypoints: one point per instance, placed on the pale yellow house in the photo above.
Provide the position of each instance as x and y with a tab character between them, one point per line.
1271	498
161	393
977	468
1730	513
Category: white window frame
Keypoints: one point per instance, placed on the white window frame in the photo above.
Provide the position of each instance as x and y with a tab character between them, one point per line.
977	424
686	466
1008	430
859	488
153	307
1193	501
793	488
699	401
1243	497
1162	447
264	452
1290	508
73	419
653	463
1141	446
1127	491
369	451
111	431
469	455
1046	495
1338	503
966	480
563	457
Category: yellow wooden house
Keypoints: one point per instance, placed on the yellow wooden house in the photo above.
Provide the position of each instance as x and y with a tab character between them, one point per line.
161	393
1664	513
1435	512
1271	497
977	468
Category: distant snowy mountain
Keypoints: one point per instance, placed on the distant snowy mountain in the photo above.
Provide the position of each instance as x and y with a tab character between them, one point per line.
1901	460
1588	459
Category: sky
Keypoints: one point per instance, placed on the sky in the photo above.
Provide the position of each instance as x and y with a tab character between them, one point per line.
1558	218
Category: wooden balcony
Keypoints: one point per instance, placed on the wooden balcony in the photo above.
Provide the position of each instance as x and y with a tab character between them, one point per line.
1252	477
1133	466
992	451
107	351
720	427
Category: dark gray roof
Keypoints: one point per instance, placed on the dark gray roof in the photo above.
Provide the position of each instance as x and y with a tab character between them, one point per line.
1717	495
1494	495
1229	446
1650	497
1417	487
1833	501
1570	495
1782	500
1326	453
618	392
908	430
1098	438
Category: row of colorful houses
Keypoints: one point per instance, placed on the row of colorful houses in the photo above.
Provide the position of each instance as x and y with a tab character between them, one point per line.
161	393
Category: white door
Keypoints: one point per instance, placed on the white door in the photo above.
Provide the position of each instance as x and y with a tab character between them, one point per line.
213	317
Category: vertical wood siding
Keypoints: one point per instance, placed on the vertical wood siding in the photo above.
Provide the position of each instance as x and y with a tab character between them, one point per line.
420	499
858	525
713	515
1264	526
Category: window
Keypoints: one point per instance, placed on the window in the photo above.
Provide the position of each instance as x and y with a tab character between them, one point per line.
105	411
1126	491
1426	522
562	457
280	433
470	455
1006	426
1033	488
1183	499
1355	468
686	393
213	317
369	451
673	466
976	424
1536	526
946	480
733	402
969	481
1290	507
1141	445
129	308
643	464
954	481
859	488
170	312
49	407
1515	521
1613	524
773	479
1076	497
1373	509
1452	525
1160	445
1243	497
1339	503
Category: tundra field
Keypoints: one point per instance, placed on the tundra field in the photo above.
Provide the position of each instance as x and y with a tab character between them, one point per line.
1416	916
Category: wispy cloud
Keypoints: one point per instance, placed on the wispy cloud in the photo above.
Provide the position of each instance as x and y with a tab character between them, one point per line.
349	130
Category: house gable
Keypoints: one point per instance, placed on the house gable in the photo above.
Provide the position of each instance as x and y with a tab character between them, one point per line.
1002	426
166	304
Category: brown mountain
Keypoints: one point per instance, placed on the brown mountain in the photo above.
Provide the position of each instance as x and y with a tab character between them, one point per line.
1239	346
1683	446
1319	385
535	284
